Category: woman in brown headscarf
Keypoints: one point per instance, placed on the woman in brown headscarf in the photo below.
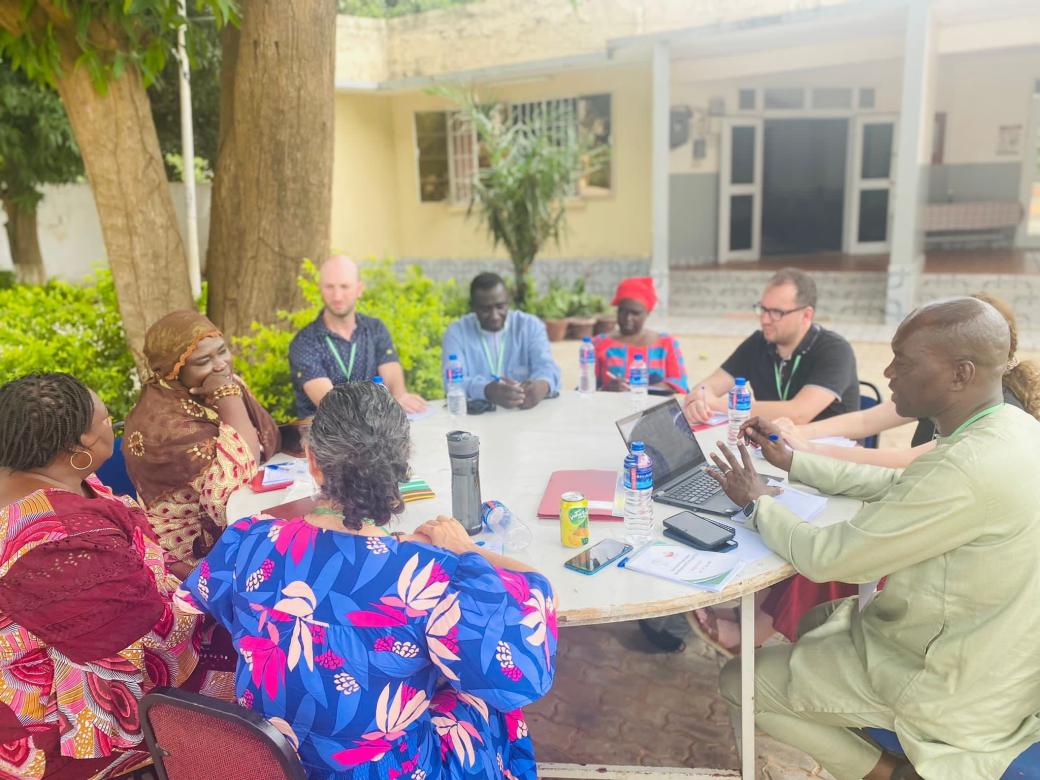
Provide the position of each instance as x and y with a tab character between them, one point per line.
195	435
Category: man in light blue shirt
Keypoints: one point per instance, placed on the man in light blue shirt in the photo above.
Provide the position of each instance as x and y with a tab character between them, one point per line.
505	354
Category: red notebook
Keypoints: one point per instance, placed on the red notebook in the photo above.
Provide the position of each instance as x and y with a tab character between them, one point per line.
594	484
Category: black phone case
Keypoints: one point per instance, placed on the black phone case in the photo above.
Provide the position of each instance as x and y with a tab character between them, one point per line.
679	536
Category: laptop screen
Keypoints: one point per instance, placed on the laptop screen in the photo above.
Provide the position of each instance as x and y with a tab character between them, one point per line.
668	439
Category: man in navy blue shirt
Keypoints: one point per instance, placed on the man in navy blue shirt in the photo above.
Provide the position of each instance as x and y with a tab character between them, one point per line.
344	346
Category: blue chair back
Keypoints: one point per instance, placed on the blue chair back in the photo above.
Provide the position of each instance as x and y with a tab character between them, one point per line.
113	472
869	396
1025	767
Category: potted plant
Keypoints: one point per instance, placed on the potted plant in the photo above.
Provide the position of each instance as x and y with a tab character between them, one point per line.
553	308
582	310
528	170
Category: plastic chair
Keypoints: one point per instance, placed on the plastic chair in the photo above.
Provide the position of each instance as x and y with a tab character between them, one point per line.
193	737
1025	767
872	397
113	472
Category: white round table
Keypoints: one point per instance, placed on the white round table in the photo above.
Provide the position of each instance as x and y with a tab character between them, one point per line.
519	450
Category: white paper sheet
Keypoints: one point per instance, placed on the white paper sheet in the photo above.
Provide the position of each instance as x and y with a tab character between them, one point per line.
836	441
806	505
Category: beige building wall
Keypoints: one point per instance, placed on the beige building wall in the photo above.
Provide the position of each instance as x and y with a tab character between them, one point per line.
364	188
376	197
981	93
361	50
501	32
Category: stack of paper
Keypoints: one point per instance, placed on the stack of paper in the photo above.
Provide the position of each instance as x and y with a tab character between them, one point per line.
415	490
679	563
284	472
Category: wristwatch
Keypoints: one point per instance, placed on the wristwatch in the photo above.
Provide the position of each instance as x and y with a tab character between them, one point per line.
749	508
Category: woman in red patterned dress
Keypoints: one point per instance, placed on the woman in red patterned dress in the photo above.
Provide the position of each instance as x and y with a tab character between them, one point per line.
87	623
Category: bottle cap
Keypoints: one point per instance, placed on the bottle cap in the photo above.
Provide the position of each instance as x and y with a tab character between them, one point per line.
741	381
453	357
587	339
377	380
463	443
637	446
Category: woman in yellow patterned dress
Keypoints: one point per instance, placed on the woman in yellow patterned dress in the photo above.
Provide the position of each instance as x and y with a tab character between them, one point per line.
195	435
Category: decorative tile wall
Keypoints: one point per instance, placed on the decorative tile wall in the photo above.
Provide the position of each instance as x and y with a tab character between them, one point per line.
601	274
846	296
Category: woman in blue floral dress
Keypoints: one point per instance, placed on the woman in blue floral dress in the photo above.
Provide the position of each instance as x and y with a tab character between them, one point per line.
379	655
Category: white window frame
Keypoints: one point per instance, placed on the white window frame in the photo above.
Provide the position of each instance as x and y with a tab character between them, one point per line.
727	190
856	185
464	149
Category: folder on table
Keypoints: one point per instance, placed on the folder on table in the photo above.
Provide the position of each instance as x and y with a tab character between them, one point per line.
598	486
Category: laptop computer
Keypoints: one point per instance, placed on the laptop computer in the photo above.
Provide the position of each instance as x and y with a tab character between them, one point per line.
680	467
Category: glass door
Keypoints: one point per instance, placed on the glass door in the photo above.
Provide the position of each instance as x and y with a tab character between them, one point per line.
871	178
740	190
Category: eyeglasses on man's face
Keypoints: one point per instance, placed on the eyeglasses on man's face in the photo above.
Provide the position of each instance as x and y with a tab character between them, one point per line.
775	315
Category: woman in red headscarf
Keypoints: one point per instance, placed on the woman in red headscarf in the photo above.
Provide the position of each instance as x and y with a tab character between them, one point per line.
616	351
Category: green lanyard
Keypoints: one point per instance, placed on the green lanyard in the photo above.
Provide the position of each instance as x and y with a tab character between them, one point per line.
776	373
975	418
495	368
346	369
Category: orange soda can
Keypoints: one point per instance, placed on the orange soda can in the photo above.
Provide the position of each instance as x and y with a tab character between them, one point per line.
574	520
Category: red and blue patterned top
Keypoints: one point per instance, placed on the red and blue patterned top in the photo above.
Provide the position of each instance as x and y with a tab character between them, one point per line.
663	359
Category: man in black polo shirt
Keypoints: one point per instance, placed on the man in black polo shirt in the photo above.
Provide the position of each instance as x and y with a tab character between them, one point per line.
796	368
344	346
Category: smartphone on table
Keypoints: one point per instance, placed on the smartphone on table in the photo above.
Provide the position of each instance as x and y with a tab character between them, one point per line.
598	556
700	532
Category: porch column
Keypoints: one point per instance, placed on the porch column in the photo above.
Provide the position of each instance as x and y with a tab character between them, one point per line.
661	77
913	155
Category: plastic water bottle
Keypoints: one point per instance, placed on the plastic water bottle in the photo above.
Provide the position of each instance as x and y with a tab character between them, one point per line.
739	408
586	367
639	489
639	382
499	520
456	390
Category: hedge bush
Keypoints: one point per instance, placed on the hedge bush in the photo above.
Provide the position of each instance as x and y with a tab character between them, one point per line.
77	329
72	328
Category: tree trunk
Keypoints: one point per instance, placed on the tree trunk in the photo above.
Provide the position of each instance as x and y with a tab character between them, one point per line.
272	191
25	243
120	148
117	140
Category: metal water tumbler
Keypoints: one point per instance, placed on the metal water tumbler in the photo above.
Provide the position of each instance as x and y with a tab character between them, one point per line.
464	452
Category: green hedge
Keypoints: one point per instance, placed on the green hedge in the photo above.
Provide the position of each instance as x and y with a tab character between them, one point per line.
72	328
77	329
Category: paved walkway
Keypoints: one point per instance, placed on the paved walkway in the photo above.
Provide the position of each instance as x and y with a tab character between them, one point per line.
617	700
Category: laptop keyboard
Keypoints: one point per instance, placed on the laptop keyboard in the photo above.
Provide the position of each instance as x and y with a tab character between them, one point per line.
695	490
